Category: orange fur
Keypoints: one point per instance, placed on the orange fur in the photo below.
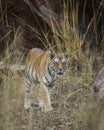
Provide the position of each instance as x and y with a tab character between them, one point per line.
39	59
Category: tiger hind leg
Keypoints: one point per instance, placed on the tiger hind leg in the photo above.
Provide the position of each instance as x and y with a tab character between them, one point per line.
40	101
27	102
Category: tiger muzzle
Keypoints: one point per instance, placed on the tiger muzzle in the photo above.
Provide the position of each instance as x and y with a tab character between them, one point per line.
60	72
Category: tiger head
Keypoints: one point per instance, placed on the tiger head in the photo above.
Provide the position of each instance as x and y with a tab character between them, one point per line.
59	63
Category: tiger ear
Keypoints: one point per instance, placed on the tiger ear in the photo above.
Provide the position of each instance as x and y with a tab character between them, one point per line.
66	54
52	55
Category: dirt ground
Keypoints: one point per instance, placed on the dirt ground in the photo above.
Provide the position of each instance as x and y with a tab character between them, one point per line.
74	108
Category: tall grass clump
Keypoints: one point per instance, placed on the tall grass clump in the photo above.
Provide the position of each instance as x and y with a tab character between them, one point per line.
12	82
67	37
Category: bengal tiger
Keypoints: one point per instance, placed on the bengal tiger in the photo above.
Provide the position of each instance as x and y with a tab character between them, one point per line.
43	68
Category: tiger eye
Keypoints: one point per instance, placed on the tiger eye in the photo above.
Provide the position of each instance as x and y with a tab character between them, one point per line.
63	60
56	60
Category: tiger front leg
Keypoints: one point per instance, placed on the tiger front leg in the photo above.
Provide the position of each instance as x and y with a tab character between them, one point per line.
45	98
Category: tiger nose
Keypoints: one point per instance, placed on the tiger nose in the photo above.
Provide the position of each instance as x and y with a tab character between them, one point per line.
60	71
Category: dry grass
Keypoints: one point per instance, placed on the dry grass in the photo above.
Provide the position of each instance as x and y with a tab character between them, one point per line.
75	107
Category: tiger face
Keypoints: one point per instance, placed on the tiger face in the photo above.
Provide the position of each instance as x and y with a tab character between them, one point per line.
59	64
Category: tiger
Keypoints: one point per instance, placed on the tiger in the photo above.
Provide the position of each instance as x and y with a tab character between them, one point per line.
43	68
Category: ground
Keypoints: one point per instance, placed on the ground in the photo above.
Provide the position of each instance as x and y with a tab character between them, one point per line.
75	107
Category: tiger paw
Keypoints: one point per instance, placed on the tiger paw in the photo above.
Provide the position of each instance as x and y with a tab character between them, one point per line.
27	104
49	109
